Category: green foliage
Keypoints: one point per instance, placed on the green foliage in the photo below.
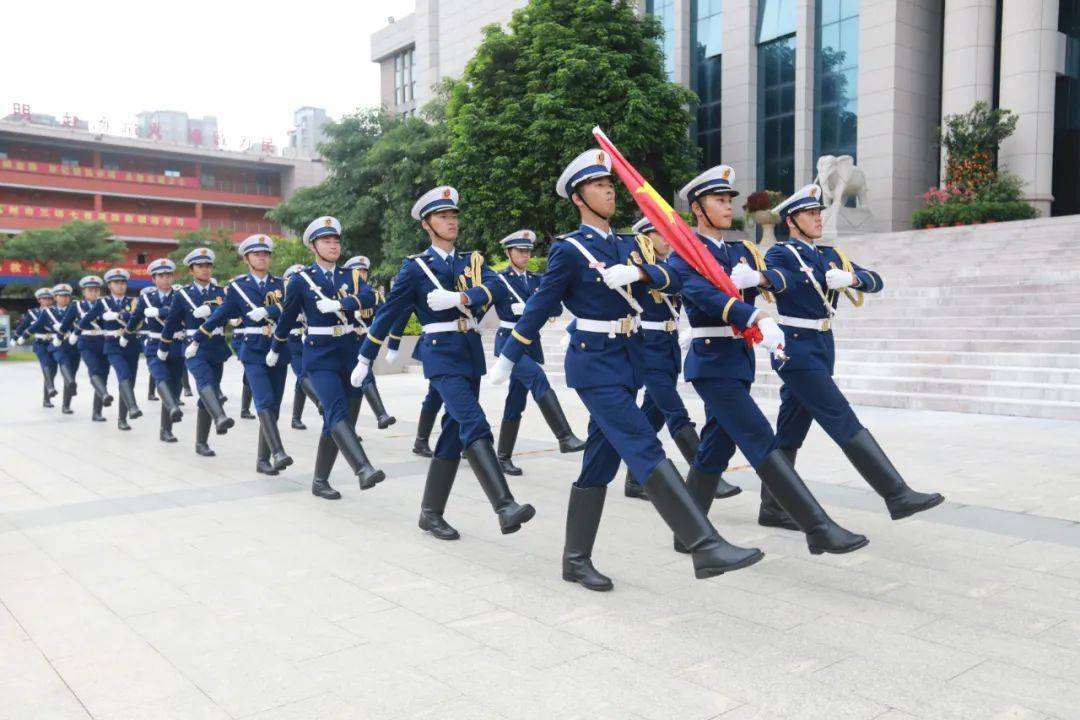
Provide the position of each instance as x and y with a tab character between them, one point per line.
413	327
66	251
527	103
537	264
288	251
980	129
227	263
979	211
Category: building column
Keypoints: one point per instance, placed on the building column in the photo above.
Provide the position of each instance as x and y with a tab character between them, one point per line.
805	54
684	49
1032	54
967	67
97	203
97	159
740	86
899	106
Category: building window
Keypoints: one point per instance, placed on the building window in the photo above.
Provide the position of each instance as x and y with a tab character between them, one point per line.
69	161
1065	188
141	258
836	86
404	84
169	172
707	26
776	96
664	10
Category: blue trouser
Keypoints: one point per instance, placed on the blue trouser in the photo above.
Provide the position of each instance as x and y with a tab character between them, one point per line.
464	422
124	360
67	356
169	371
432	401
808	395
296	362
93	356
206	369
662	402
267	384
45	358
528	376
734	420
618	432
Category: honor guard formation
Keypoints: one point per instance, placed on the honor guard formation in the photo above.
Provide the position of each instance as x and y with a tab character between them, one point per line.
626	292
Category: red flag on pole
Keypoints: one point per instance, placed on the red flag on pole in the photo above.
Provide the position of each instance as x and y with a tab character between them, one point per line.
672	227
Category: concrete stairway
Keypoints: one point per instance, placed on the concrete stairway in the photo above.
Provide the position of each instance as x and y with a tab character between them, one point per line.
981	319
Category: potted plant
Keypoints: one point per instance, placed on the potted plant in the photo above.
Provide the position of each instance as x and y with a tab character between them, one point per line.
758	208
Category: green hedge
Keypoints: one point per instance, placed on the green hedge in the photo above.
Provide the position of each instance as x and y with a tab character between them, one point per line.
948	214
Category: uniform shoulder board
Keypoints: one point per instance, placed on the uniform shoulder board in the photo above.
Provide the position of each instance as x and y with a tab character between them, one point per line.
238	277
416	255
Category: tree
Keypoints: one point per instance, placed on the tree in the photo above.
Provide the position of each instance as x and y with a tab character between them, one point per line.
67	251
529	98
227	263
288	251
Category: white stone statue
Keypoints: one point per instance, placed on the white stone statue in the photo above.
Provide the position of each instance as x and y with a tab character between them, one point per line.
839	179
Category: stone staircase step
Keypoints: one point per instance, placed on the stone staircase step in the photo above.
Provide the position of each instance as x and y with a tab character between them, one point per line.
986	373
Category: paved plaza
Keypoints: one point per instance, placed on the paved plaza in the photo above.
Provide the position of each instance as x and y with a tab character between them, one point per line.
141	582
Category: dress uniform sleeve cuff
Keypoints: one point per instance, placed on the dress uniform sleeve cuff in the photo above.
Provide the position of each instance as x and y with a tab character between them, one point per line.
520	338
374	339
202	329
661	271
869	281
776	279
727	308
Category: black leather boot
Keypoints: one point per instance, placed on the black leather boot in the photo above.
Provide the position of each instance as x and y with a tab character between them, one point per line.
127	396
486	467
632	488
202	432
770	512
872	463
166	434
375	402
245	402
50	383
823	535
309	390
122	414
560	427
186	382
298	409
98	383
687	440
262	456
278	458
325	456
508	433
440	478
353	452
169	403
97	416
68	376
354	413
211	400
69	392
702	488
150	394
582	521
424	425
712	554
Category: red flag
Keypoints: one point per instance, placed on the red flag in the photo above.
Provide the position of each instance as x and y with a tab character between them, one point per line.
672	227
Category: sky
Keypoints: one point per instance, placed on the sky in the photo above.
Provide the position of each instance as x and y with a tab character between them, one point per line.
250	64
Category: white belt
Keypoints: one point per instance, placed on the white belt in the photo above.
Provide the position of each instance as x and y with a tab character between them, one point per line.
462	324
508	324
153	335
115	333
262	330
43	336
216	331
335	330
723	331
820	324
90	333
623	326
297	331
668	326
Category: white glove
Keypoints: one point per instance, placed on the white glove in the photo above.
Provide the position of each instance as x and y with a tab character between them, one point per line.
391	356
110	315
151	312
443	299
202	312
20	341
235	322
619	275
517	308
500	373
363	367
838	279
772	337
257	315
72	339
328	306
271	359
56	341
191	349
745	276
162	354
123	341
564	342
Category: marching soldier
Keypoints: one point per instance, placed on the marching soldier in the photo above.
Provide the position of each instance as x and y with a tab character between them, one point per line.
361	265
143	338
255	300
432	402
295	346
602	278
64	357
447	288
720	365
41	342
206	359
90	342
152	309
113	311
528	376
328	295
808	280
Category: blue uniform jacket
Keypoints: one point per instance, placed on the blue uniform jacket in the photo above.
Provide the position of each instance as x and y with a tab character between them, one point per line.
442	353
113	328
524	285
796	297
252	347
662	351
154	325
181	314
593	359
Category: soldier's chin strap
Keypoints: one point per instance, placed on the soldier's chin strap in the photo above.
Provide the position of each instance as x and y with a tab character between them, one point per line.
795	221
433	231
607	218
315	249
